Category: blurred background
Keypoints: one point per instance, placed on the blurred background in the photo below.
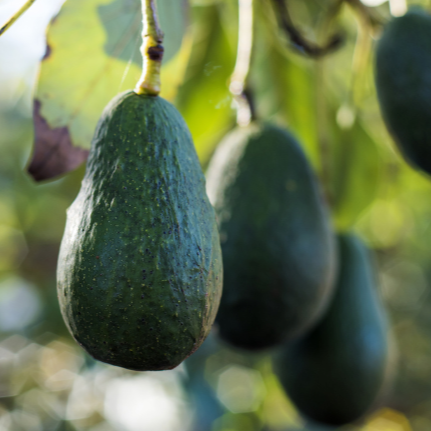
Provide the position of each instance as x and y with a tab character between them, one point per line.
47	383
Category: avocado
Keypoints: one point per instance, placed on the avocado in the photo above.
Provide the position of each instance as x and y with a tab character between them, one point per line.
277	243
140	270
335	373
403	83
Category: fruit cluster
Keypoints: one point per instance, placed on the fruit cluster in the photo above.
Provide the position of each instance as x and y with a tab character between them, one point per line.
142	265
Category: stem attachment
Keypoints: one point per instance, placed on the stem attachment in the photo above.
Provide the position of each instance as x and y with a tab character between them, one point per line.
12	20
152	51
238	80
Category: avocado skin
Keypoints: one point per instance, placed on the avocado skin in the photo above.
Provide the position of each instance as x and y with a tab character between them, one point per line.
403	83
336	372
277	244
140	270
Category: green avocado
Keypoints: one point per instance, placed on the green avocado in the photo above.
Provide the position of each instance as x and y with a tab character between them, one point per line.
403	83
140	270
277	243
335	373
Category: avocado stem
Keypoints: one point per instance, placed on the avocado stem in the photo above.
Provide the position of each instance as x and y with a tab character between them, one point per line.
152	51
12	20
238	80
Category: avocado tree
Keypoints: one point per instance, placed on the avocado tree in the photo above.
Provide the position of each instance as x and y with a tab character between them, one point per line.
307	66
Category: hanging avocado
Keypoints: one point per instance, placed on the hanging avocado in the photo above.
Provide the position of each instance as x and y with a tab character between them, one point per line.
277	242
335	373
140	271
403	82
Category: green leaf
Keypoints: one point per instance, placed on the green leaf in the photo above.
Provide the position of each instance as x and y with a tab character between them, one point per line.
122	21
204	99
94	54
284	84
356	174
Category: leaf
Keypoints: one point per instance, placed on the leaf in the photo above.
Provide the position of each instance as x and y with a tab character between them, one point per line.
93	55
356	175
53	152
122	20
284	85
291	89
122	23
204	99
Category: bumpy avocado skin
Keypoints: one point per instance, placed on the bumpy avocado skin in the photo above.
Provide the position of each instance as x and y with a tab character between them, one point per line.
277	243
403	83
335	373
140	270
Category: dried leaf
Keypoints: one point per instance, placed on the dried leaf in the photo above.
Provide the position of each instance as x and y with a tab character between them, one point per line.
53	153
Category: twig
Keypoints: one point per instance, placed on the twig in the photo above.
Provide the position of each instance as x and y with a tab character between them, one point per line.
12	20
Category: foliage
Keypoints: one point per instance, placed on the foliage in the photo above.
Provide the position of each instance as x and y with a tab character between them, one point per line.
329	104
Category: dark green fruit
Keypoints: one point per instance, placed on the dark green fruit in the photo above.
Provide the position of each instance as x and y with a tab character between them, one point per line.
335	373
403	82
140	270
277	243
